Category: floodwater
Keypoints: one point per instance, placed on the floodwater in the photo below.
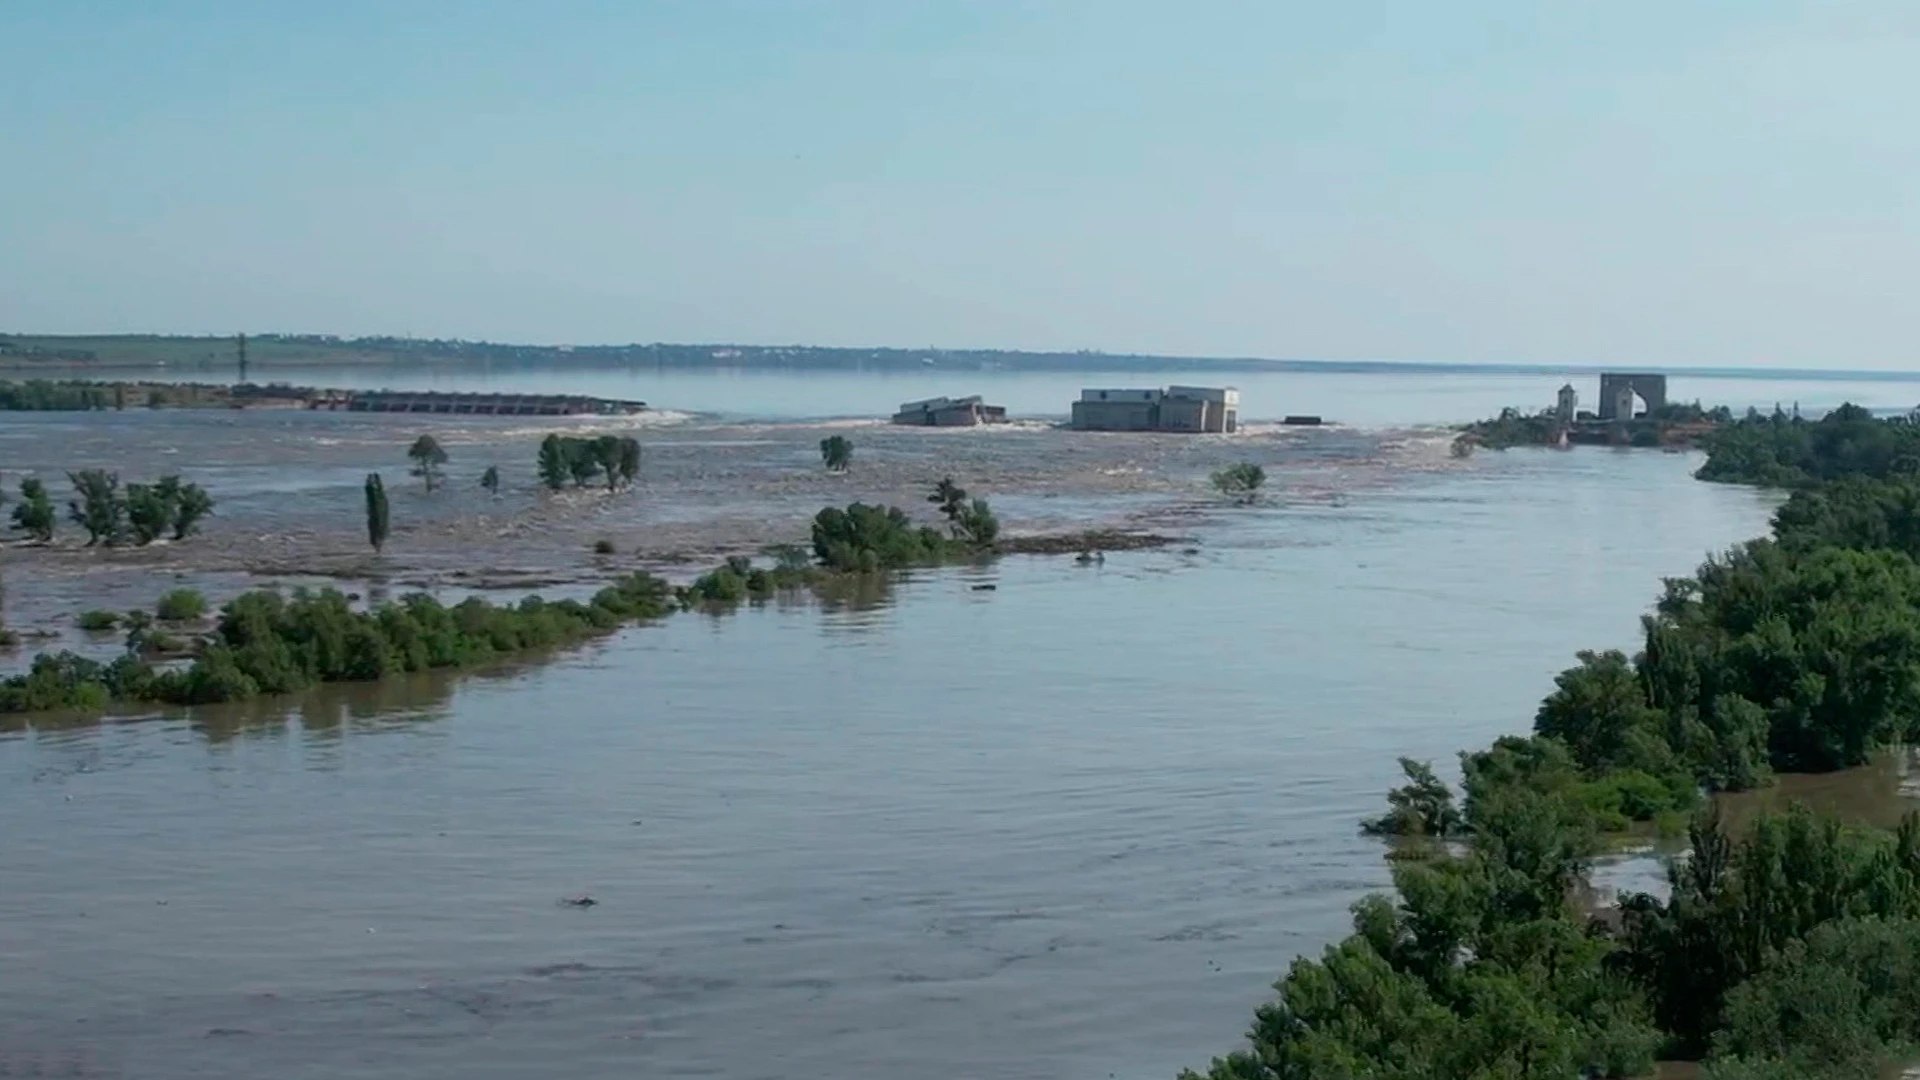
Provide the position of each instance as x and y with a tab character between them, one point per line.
1382	399
1070	828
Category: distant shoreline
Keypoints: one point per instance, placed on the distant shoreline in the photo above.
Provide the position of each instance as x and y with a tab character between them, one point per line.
268	352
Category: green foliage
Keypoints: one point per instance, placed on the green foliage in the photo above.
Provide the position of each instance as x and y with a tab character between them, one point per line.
97	505
67	682
1824	640
603	546
1513	428
836	452
167	504
45	395
98	621
1833	1004
490	480
1241	482
428	458
738	579
1738	911
1600	711
1467	975
378	523
868	538
583	458
628	466
180	605
266	643
148	513
552	463
190	505
1422	807
35	514
1786	451
952	500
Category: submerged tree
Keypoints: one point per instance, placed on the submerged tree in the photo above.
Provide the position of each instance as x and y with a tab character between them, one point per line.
606	455
35	515
491	480
148	513
836	452
952	500
552	463
629	463
165	504
1241	482
190	504
377	523
427	457
97	505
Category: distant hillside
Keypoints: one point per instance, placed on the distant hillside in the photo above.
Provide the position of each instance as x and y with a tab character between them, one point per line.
265	352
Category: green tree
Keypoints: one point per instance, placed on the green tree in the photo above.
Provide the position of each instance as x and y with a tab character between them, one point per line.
606	458
428	458
583	464
180	605
977	525
952	500
190	505
628	465
98	506
148	513
553	463
1241	482
35	514
1424	806
1600	711
836	451
490	480
377	520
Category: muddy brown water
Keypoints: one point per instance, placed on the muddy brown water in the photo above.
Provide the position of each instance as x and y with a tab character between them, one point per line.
1071	827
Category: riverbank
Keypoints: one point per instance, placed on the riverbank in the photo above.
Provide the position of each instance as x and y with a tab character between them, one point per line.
1795	653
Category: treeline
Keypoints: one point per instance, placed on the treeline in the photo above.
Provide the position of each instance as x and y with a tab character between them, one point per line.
138	513
265	643
1782	450
48	395
1793	951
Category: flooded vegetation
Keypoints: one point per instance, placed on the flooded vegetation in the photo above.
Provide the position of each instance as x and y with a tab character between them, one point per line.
874	813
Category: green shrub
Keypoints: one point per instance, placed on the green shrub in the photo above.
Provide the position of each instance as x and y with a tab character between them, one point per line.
604	547
180	605
97	621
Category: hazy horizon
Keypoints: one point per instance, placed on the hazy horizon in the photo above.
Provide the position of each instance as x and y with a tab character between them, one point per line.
1719	185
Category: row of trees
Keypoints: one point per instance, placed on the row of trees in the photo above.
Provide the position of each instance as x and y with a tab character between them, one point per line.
1793	951
565	458
265	643
111	514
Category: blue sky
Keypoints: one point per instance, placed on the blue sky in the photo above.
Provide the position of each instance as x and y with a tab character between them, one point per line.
1677	182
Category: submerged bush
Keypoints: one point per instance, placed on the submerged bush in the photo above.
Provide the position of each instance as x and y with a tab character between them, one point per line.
97	621
180	605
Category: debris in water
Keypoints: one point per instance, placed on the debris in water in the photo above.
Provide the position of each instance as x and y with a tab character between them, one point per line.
580	901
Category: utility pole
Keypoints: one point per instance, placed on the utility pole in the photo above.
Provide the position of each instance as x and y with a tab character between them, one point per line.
243	359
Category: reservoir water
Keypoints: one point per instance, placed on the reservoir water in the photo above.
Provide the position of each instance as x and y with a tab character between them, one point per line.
1069	828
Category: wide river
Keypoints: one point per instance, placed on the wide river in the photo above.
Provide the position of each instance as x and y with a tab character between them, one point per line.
1069	828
